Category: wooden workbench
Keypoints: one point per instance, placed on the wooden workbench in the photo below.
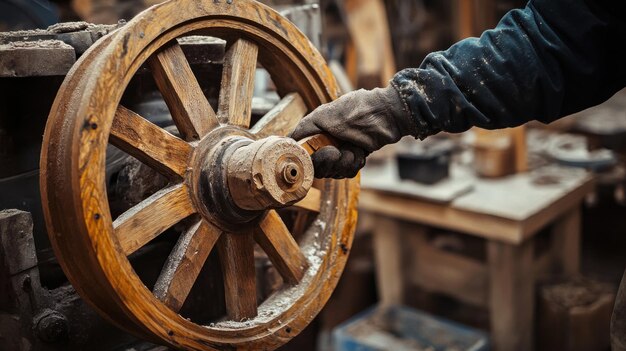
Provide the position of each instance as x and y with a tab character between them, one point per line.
507	213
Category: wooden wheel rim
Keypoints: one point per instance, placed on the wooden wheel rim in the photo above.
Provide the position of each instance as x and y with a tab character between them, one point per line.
79	223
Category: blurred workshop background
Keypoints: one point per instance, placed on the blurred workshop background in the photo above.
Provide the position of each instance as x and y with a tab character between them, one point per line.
479	240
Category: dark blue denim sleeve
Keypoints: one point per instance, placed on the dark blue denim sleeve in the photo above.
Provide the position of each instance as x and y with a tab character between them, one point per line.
548	60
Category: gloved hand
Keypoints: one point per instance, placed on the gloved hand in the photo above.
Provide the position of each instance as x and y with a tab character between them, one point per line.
362	121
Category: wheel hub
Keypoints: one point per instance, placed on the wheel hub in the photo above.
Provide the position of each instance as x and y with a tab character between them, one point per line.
241	178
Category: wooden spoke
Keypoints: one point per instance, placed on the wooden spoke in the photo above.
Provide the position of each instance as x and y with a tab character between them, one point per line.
283	118
190	109
312	200
151	217
184	264
148	143
275	239
316	142
235	102
237	258
300	222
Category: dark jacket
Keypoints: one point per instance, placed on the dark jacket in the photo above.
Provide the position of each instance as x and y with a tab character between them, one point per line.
548	60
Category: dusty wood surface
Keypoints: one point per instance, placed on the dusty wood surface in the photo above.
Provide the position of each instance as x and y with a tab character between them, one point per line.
150	144
311	201
235	102
92	246
16	236
484	212
143	222
237	257
184	264
190	109
282	119
282	249
37	58
271	172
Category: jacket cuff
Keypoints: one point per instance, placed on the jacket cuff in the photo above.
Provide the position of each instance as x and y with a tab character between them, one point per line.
411	93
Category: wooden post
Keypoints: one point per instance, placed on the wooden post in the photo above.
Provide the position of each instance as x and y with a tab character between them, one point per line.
512	298
387	252
566	242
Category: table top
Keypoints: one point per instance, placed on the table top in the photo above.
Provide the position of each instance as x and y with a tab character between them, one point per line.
509	208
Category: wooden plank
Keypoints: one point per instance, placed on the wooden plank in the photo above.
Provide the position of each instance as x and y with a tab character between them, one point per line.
512	295
185	263
275	239
283	118
465	215
436	270
150	144
236	252
190	109
440	215
566	242
369	30
312	200
235	101
151	217
387	242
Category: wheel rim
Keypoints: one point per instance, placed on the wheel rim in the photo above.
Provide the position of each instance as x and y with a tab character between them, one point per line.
80	226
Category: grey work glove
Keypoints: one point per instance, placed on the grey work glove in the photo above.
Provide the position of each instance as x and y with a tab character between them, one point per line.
362	121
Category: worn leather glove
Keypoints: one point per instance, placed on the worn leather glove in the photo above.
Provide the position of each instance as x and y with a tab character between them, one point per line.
362	121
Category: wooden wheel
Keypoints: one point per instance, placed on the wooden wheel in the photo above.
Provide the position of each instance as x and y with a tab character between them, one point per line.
226	179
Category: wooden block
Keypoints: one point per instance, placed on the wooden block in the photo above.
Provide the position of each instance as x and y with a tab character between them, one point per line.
574	315
36	58
16	236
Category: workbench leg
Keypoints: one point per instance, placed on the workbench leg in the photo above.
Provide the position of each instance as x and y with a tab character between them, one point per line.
387	252
566	242
512	298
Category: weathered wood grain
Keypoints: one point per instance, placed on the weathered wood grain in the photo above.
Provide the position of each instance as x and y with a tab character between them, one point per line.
190	109
316	142
184	264
149	144
312	200
73	175
151	217
237	257
282	119
235	101
275	239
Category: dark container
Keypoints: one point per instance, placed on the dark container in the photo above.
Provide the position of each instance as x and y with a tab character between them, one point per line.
428	167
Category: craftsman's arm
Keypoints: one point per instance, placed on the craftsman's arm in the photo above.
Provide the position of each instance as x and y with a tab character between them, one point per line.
548	60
